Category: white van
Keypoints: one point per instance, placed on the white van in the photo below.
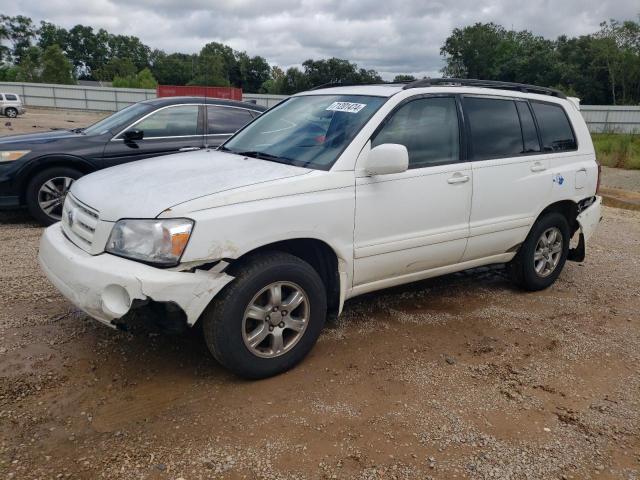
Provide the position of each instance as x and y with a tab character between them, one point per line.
333	193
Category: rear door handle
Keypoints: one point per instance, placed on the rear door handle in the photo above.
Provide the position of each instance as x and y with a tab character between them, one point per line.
538	167
188	149
458	178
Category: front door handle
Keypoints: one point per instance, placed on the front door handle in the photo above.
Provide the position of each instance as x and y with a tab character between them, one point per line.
188	149
458	178
538	167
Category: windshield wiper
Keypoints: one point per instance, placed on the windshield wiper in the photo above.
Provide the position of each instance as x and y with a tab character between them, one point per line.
265	156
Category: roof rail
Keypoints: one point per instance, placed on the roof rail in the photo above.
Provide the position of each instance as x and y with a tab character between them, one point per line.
353	84
470	82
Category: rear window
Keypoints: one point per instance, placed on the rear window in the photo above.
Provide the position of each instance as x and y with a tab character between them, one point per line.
495	128
555	129
9	96
226	120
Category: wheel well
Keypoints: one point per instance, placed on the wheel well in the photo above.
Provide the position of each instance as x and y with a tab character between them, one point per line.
44	164
567	208
316	253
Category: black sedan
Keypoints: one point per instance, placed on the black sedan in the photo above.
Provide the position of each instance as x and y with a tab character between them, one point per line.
37	169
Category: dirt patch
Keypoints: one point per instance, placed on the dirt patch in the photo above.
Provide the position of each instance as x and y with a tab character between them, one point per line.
457	377
43	119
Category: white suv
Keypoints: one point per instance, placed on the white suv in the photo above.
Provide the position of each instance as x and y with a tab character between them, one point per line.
333	193
11	105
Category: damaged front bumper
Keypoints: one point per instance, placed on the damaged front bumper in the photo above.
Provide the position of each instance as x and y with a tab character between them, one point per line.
106	287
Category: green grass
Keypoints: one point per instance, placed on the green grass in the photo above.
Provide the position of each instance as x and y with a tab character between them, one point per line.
620	150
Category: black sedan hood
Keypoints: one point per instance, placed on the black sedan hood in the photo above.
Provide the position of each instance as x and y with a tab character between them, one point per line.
40	138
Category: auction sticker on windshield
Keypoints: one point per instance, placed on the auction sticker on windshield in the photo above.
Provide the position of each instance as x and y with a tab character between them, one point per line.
346	107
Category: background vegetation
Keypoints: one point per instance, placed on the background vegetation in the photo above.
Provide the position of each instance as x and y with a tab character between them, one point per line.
621	150
601	68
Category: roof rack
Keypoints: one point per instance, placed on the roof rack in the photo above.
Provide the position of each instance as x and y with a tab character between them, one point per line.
470	82
351	84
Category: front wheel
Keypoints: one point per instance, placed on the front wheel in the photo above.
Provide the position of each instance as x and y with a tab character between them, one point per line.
267	319
543	254
47	191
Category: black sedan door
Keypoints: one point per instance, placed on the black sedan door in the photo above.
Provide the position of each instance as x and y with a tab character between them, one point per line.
172	129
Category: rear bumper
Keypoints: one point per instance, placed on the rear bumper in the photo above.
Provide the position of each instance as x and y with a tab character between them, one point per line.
105	286
590	217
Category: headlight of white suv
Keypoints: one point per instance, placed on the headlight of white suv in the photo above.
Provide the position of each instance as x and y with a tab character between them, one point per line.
160	242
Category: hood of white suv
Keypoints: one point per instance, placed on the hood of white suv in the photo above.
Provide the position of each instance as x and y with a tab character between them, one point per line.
145	188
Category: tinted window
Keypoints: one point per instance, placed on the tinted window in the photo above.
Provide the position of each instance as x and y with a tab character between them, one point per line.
181	120
428	127
555	129
226	119
495	128
529	132
8	96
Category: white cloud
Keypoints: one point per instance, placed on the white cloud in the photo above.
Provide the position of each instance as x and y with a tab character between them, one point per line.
392	37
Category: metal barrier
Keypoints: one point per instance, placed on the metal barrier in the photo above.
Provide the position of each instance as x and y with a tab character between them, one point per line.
599	118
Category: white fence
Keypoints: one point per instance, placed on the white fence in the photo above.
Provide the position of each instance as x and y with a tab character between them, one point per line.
76	96
96	98
599	118
610	118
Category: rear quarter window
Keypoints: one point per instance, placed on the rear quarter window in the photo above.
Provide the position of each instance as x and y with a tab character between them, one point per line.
555	129
10	97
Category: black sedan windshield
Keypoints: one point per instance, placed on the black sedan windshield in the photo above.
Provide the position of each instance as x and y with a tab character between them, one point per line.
310	131
120	119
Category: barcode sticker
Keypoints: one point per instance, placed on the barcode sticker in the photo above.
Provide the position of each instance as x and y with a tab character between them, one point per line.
346	107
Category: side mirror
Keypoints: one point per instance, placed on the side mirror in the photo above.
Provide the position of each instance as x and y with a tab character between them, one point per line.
386	159
133	135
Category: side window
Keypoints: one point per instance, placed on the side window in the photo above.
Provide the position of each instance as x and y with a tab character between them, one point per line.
495	128
178	121
226	120
529	132
10	97
428	127
555	129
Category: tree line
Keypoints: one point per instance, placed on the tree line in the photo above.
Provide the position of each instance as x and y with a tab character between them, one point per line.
600	68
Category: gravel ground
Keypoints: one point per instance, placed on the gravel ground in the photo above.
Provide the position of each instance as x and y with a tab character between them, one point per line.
457	377
621	179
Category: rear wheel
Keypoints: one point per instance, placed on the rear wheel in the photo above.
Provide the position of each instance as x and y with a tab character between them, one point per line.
47	191
268	318
543	254
11	112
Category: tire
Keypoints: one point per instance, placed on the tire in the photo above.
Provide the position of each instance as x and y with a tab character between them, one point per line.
227	329
11	112
55	176
536	272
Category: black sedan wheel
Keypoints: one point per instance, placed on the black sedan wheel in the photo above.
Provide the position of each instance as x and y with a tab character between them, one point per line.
46	193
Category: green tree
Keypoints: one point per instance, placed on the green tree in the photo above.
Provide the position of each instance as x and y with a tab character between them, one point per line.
50	34
404	78
174	68
56	67
214	65
19	31
143	79
30	67
115	67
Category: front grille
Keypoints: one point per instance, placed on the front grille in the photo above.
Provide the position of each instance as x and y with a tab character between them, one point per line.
79	222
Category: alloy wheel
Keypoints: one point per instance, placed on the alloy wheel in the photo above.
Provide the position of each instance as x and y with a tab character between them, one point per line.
275	320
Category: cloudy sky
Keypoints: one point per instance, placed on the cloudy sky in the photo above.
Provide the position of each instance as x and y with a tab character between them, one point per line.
389	36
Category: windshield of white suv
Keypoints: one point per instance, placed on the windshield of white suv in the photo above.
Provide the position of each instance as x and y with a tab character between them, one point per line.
307	131
119	119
